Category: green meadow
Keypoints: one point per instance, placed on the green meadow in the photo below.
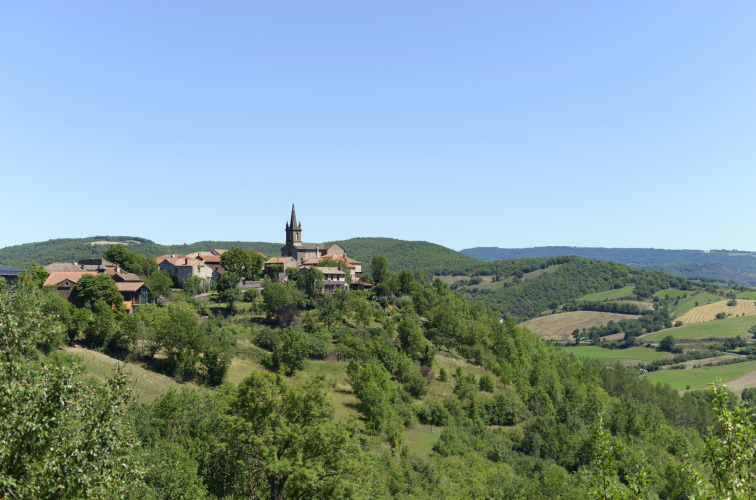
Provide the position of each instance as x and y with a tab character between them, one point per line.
618	293
629	354
721	328
747	295
700	377
673	293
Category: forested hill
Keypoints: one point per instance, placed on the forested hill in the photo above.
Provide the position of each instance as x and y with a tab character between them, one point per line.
720	265
72	249
412	255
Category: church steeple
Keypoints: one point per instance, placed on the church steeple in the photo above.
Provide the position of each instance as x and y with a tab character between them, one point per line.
293	230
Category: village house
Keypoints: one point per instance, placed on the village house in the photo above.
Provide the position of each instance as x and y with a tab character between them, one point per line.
10	273
333	279
205	265
132	288
275	267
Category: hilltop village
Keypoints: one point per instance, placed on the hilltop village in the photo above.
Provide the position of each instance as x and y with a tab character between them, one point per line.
301	372
339	272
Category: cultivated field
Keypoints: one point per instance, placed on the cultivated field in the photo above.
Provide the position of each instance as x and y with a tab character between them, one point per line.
687	304
698	378
560	326
709	312
719	329
632	355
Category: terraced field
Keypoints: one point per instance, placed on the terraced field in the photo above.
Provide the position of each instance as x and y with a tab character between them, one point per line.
709	312
561	326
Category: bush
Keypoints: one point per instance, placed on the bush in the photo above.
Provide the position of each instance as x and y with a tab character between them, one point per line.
266	339
416	385
486	383
721	315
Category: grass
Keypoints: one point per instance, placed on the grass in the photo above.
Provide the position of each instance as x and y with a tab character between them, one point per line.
630	354
673	293
560	326
721	328
617	293
747	295
147	384
421	439
689	303
702	376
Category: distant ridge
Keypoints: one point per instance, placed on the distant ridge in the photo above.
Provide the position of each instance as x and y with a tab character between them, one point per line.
719	265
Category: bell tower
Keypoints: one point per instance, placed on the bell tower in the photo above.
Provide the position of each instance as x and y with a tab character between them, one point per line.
293	230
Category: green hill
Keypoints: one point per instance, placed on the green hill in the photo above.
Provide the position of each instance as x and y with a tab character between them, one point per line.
71	249
714	265
412	255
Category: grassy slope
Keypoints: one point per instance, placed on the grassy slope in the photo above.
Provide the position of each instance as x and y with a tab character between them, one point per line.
615	294
723	328
632	353
700	377
147	384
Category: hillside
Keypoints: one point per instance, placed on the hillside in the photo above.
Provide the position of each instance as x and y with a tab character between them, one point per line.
719	265
412	255
71	249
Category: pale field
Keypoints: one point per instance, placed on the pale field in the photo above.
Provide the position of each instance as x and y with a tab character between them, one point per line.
708	312
560	326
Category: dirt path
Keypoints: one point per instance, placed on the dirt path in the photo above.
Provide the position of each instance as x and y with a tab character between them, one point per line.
737	385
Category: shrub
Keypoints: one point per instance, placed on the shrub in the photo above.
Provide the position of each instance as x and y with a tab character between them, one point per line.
415	384
266	339
486	383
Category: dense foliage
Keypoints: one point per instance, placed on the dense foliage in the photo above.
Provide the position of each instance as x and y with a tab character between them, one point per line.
515	417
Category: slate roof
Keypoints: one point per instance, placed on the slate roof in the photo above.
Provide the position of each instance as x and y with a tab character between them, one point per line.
10	270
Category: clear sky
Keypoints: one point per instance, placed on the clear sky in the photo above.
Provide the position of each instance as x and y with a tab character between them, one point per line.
502	123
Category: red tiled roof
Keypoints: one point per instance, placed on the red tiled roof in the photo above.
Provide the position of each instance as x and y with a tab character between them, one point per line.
278	260
168	257
214	259
129	286
61	267
56	277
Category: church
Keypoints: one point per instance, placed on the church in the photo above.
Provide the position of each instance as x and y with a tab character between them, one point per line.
302	252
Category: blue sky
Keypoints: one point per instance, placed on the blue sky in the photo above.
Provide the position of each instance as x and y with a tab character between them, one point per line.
510	124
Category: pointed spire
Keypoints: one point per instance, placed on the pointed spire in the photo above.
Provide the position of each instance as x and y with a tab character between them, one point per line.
293	216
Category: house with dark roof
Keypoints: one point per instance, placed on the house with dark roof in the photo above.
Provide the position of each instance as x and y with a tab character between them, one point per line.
10	273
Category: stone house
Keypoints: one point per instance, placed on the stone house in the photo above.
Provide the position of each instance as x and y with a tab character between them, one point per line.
333	278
